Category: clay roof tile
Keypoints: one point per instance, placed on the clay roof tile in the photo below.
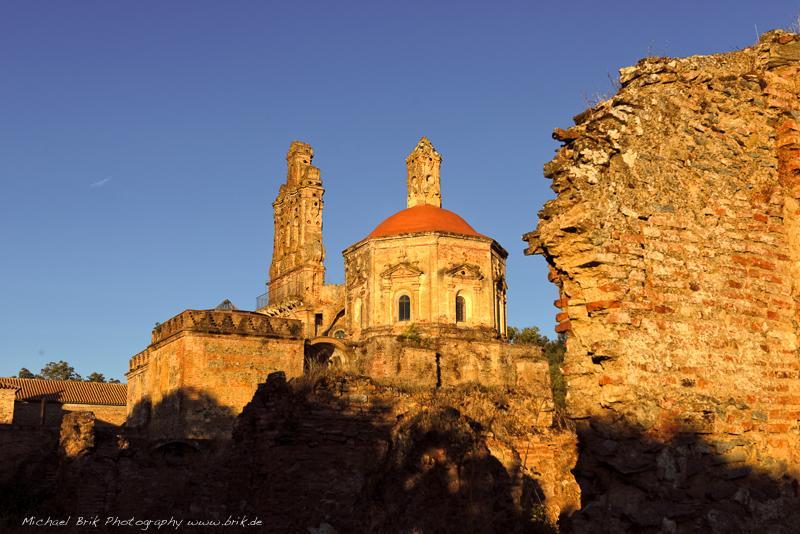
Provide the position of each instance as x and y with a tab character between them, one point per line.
67	391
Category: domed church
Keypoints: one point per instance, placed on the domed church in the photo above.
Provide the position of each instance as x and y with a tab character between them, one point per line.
423	305
425	266
417	288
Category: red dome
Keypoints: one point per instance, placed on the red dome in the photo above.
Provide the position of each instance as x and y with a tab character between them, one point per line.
423	218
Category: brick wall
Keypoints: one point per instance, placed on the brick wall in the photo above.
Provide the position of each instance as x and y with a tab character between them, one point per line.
673	240
346	451
203	367
30	413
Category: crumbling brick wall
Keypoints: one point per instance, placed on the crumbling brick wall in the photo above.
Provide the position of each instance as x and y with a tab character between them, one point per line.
674	241
447	361
335	449
385	445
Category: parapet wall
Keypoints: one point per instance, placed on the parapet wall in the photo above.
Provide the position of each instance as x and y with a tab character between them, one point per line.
226	322
203	367
674	241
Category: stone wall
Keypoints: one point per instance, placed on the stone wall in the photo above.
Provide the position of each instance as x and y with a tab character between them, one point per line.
105	415
25	452
7	396
673	240
204	366
337	450
393	449
77	434
447	361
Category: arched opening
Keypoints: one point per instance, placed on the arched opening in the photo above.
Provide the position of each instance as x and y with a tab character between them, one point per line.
461	309
325	352
404	308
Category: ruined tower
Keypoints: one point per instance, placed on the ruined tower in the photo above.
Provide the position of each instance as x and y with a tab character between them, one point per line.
297	272
423	175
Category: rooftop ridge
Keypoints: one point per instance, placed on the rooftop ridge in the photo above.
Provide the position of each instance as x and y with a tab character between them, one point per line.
67	391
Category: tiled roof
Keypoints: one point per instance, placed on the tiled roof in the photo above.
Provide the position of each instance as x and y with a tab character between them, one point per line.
67	391
7	386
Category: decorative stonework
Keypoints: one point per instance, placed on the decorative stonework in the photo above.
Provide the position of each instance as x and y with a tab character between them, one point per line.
283	309
424	185
402	270
435	265
297	270
226	322
465	271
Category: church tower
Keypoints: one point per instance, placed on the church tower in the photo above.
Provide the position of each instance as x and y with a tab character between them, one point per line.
297	272
423	175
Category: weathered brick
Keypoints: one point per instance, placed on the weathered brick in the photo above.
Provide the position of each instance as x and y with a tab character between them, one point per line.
715	311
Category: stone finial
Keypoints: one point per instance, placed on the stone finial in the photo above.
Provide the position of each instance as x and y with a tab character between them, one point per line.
298	160
423	175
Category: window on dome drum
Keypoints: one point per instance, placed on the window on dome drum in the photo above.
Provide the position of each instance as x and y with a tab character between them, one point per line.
404	308
461	309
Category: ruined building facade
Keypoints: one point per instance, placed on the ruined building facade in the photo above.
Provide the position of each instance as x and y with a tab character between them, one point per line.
423	304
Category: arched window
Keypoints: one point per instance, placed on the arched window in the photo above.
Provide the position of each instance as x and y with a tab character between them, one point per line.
339	334
461	309
404	308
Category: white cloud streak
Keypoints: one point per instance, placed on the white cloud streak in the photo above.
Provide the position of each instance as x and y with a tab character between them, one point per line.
100	183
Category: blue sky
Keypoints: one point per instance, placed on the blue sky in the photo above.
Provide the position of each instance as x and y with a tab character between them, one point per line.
142	143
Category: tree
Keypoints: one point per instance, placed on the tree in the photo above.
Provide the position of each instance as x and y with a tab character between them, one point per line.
59	370
25	373
62	370
530	335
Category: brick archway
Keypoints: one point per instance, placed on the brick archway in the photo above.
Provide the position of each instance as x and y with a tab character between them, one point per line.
328	350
